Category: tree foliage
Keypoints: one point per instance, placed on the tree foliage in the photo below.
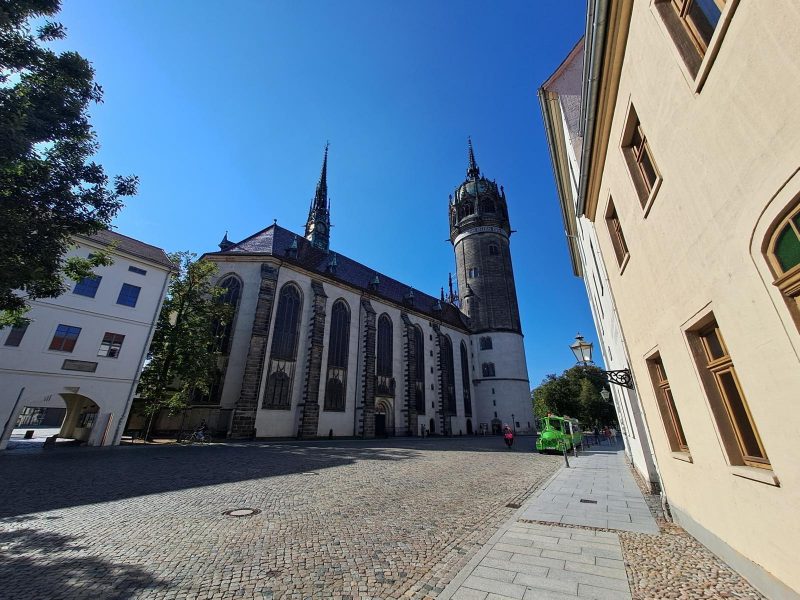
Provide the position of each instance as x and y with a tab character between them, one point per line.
50	189
185	349
574	393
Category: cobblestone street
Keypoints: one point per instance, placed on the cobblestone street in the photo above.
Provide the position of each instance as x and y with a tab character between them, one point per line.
384	519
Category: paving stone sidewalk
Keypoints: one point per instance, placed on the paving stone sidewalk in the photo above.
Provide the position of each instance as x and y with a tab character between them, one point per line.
536	555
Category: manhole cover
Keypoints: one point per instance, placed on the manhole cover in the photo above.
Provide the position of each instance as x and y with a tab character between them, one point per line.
241	512
585	501
513	505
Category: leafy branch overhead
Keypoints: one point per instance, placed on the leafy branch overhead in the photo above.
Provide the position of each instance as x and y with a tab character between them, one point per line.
50	188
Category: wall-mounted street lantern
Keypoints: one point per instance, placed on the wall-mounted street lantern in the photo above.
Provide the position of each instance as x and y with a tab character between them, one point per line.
583	354
605	394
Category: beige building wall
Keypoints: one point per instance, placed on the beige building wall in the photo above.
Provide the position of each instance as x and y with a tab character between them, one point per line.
728	152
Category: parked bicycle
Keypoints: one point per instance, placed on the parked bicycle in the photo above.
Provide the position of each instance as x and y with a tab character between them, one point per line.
198	435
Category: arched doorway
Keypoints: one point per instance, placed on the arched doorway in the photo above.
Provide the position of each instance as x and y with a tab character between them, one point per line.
384	424
81	419
469	426
432	428
497	426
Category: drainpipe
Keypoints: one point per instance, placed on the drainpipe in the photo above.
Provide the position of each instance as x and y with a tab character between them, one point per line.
596	21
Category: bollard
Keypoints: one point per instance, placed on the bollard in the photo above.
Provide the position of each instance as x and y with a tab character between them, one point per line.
564	449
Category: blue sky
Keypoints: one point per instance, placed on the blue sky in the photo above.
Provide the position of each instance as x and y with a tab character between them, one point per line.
223	111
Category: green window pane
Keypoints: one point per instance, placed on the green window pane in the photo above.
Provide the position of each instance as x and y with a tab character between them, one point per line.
787	248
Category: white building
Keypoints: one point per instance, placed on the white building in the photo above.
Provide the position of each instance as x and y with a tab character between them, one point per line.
324	345
84	350
560	98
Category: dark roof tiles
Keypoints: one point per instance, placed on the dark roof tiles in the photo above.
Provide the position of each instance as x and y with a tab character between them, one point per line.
134	247
276	241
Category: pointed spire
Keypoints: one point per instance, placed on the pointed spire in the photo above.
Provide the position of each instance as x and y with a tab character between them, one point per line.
441	298
473	172
225	243
321	195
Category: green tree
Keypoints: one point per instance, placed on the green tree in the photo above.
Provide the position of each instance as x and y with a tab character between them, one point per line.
575	393
184	353
50	189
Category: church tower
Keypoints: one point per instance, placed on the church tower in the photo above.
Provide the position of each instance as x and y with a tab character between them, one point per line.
318	226
480	233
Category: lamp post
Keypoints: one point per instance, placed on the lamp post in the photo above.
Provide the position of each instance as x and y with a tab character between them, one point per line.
583	354
605	394
513	424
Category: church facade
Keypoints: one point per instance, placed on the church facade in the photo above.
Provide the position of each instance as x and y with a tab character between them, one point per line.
322	345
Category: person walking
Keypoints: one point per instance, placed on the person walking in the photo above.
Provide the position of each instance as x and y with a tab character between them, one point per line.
613	432
596	435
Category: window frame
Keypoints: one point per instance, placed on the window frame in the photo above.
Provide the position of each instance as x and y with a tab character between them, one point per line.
83	286
633	152
115	342
16	334
673	427
125	292
338	357
65	337
621	250
279	382
694	62
488	370
786	281
714	361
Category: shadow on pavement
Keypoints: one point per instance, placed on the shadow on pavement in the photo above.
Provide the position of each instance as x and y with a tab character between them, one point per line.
66	477
35	564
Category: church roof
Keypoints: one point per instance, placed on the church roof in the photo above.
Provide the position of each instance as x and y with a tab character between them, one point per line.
276	241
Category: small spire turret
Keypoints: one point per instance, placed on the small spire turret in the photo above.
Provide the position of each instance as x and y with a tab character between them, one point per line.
473	171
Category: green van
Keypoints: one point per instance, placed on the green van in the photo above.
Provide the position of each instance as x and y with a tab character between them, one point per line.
554	434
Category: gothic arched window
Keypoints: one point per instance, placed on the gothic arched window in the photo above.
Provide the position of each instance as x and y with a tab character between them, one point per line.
233	291
494	250
783	252
488	369
283	355
488	206
338	354
419	359
465	381
384	358
448	375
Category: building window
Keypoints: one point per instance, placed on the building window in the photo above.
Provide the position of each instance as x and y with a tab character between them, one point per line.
385	357
666	405
488	369
338	354
494	250
465	381
232	287
16	334
128	295
691	25
111	344
485	343
639	158
473	272
448	375
419	359
87	286
283	355
783	254
729	406
65	338
615	231
137	270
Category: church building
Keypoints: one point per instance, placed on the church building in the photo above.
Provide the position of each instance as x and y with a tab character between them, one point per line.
322	345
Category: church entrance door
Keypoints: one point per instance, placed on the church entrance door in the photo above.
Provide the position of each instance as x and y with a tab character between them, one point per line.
380	425
433	427
469	426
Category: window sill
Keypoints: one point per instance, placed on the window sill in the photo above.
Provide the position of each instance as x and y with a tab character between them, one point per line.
684	456
756	474
652	197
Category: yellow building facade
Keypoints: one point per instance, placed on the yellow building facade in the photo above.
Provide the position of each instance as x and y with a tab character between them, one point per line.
689	170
